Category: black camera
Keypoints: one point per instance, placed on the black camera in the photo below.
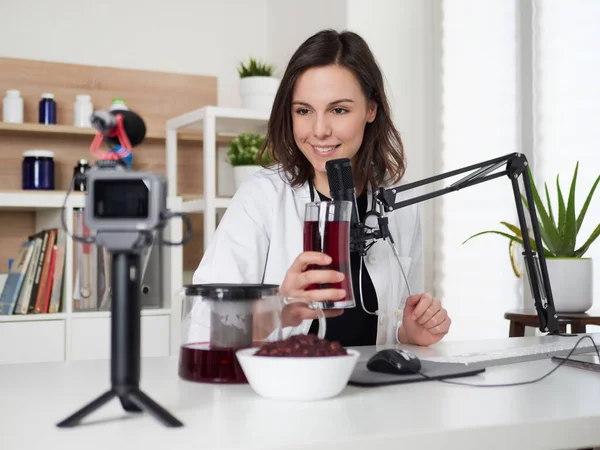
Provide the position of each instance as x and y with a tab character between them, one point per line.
120	200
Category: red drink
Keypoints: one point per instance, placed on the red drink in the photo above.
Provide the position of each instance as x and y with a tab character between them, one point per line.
199	362
334	243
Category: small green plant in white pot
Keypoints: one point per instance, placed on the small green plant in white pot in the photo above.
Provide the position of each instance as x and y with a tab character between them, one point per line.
243	156
570	273
258	86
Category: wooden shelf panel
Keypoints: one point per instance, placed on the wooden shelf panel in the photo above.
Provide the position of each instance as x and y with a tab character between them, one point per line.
105	314
32	200
193	203
32	317
67	130
76	315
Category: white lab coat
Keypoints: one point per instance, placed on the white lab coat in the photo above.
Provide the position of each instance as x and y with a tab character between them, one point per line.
261	234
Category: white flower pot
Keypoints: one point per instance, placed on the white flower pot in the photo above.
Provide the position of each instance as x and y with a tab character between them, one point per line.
242	173
571	282
258	93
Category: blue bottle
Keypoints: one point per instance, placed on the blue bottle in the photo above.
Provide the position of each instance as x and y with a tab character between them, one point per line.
47	110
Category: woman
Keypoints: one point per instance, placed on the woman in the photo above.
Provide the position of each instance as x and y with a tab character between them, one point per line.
330	104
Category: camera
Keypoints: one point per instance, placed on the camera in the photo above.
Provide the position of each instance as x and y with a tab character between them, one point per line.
119	200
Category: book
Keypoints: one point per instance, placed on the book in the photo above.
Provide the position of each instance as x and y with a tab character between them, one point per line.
46	299
59	267
40	298
14	281
25	295
38	271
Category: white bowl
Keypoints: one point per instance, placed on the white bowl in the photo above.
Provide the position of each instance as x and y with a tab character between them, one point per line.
297	377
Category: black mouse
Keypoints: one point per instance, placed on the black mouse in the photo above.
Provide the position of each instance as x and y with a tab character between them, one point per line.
394	361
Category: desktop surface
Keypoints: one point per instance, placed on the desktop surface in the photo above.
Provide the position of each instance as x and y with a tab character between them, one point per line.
561	411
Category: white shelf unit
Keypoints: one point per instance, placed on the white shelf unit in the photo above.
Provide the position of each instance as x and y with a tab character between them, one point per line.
212	121
75	335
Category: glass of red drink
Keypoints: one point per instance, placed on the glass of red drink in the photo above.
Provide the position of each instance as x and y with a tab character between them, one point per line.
327	230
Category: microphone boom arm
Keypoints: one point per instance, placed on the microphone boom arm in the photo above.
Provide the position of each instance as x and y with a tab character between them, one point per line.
515	164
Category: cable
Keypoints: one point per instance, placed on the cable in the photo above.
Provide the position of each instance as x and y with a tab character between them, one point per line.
390	241
82	239
360	289
519	383
395	250
188	228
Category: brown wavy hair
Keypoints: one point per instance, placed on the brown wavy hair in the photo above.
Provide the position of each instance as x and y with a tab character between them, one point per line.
380	157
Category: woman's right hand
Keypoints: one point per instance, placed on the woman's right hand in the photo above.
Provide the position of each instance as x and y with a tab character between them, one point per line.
294	285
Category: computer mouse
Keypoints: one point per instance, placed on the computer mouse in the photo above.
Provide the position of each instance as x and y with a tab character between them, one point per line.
394	361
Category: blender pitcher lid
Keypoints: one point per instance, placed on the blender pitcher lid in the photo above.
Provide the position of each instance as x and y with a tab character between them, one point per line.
231	292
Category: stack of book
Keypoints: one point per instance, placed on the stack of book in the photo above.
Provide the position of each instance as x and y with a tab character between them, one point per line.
34	283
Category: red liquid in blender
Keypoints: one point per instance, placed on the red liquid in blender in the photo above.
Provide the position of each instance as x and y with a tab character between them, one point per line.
335	244
199	362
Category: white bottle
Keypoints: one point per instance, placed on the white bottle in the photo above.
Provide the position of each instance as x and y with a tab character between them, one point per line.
118	103
12	107
82	110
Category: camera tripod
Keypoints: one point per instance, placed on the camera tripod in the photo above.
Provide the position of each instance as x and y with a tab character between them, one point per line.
125	346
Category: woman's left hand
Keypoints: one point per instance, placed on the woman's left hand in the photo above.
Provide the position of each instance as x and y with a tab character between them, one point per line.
425	322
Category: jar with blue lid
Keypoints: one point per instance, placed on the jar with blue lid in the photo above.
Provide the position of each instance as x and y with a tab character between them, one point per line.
37	170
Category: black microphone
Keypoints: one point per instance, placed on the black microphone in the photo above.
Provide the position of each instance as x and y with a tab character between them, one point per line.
106	123
341	187
341	183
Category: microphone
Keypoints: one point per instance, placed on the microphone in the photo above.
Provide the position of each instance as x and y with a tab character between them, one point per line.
341	184
118	127
341	187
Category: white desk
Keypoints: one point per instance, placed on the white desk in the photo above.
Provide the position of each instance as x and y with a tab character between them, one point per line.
562	411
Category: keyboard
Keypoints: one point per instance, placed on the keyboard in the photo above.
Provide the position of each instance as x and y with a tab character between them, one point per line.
559	346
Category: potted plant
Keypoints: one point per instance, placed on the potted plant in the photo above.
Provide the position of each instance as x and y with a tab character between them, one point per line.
243	156
571	275
258	86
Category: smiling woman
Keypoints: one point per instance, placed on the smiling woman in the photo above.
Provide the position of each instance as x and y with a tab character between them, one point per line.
333	90
329	115
331	104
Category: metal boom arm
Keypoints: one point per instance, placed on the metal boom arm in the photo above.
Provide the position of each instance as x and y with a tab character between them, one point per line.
514	165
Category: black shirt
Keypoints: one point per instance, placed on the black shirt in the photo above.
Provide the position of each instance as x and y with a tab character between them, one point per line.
354	326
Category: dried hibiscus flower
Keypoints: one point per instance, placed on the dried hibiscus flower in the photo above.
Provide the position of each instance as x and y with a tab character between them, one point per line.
302	345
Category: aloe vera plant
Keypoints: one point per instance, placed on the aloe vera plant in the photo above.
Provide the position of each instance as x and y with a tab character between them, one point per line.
559	232
255	68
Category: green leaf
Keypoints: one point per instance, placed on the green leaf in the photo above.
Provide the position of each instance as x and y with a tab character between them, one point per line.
515	229
584	248
550	212
244	149
548	230
510	236
525	201
570	233
586	204
562	210
255	68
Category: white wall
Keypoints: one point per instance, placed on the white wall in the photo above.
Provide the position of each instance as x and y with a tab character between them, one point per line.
400	34
289	23
204	37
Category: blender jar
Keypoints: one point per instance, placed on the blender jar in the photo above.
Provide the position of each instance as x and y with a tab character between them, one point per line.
218	320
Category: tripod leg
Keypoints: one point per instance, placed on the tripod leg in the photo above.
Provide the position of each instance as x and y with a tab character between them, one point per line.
128	405
150	406
75	418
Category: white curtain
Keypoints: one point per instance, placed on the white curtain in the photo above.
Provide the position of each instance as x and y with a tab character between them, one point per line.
479	121
566	87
